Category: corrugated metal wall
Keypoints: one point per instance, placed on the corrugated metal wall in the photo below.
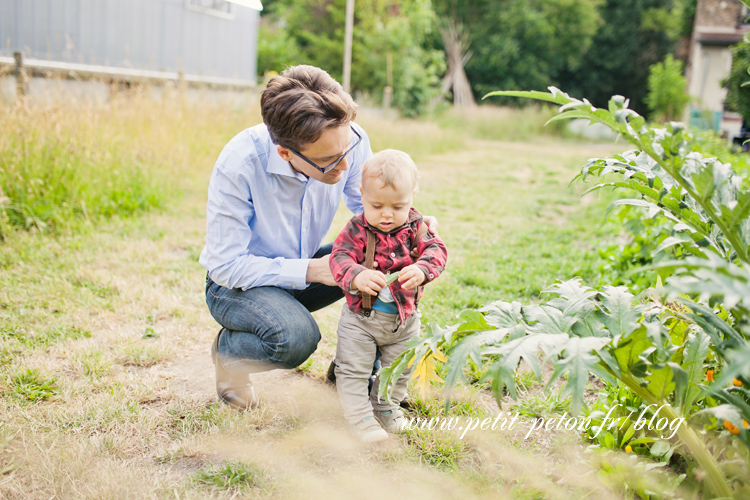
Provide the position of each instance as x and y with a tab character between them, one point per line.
162	35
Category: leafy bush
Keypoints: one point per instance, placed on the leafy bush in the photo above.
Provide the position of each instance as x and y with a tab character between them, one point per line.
738	93
667	90
683	359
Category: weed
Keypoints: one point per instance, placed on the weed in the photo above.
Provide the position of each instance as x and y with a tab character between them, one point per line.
92	363
137	354
190	420
233	475
438	449
525	380
544	405
44	337
427	407
30	385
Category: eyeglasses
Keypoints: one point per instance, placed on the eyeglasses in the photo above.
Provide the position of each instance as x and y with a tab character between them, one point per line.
335	162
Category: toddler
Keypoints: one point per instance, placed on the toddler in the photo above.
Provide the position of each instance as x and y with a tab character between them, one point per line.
377	315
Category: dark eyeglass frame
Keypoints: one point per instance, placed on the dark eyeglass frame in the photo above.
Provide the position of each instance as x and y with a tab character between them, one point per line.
335	162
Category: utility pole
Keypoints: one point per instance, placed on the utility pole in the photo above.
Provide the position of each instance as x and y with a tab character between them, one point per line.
348	44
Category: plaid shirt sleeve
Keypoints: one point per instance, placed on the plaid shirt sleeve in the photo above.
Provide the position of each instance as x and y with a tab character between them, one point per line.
432	256
348	255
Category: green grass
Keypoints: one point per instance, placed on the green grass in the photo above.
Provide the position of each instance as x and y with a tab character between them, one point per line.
542	405
100	313
232	475
31	386
442	450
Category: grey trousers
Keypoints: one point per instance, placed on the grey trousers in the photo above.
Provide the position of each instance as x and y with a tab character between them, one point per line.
359	337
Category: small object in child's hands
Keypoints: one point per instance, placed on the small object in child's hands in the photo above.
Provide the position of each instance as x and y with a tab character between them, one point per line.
390	278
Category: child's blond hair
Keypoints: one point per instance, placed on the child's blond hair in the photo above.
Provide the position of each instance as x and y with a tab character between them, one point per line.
392	167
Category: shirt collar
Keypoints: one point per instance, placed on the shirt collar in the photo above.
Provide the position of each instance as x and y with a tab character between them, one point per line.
278	166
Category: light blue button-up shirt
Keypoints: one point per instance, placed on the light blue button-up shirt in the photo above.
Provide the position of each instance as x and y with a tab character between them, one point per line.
265	219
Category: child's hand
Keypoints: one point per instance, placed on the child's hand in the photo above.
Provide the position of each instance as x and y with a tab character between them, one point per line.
411	277
369	281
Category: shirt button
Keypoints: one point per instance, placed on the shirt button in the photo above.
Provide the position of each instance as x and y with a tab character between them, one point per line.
294	286
393	254
432	275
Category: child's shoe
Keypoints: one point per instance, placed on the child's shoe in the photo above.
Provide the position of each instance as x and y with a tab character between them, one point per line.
368	430
392	420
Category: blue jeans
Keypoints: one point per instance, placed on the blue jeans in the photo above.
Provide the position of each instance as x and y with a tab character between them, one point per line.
268	327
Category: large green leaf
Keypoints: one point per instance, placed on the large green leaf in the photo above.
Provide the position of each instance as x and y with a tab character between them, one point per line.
628	350
526	348
696	350
544	318
501	314
577	360
469	348
619	314
661	382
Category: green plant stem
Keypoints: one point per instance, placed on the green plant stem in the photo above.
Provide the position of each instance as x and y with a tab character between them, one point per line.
715	479
736	244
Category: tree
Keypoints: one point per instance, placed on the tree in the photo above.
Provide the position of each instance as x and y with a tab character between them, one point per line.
523	44
738	95
381	27
621	53
667	96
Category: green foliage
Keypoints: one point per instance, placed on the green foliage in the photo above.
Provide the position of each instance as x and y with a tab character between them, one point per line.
443	450
738	91
543	406
521	44
233	475
276	49
667	94
621	52
32	386
312	32
55	173
659	350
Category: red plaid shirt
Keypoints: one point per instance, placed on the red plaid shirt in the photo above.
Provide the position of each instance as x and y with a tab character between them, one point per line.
392	253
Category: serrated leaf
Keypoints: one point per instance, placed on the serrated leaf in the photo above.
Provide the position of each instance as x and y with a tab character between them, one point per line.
577	360
473	320
696	350
426	372
526	348
660	382
619	314
469	348
547	319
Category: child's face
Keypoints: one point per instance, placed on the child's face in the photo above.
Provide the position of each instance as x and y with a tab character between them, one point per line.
386	208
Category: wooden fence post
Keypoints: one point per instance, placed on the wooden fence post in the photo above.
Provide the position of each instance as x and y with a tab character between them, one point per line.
21	77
